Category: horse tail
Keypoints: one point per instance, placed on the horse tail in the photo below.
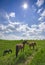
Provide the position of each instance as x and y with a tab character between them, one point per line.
17	51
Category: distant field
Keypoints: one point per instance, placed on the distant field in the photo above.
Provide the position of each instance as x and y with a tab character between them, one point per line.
10	59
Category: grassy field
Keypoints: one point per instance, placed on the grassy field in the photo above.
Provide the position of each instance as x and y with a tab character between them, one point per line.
28	57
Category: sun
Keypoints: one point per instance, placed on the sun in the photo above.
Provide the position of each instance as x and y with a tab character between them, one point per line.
25	5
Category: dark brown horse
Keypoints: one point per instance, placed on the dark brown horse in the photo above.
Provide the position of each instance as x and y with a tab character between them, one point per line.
20	47
7	51
32	44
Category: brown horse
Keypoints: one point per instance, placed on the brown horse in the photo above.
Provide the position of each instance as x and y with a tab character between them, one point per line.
20	47
32	44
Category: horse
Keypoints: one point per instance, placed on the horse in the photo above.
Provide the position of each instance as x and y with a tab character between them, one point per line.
20	47
7	51
32	44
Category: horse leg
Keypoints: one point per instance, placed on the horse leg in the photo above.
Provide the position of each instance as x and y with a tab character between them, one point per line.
23	46
17	51
33	46
30	46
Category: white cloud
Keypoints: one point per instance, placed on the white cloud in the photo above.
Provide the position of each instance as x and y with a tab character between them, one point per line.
42	26
18	30
7	16
23	27
39	2
5	28
43	13
10	27
15	23
36	31
2	27
39	28
15	37
34	26
32	32
39	11
42	16
12	14
11	37
4	15
1	35
26	32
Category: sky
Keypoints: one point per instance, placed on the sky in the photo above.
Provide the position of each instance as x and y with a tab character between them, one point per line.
22	19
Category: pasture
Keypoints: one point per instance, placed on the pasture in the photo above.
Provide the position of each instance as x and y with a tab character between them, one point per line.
26	57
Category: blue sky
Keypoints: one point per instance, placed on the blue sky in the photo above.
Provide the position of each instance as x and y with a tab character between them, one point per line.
17	22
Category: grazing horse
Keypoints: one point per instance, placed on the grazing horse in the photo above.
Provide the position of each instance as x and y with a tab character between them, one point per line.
7	51
33	44
20	47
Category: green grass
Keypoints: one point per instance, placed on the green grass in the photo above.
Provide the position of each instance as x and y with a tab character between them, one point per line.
39	58
10	59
